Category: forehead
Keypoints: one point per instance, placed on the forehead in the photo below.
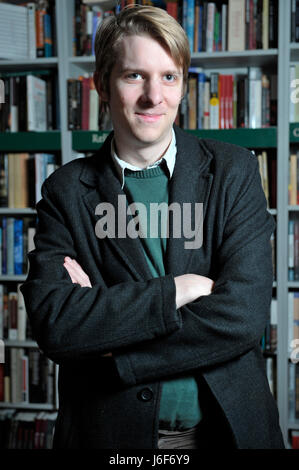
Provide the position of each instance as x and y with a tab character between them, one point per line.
143	51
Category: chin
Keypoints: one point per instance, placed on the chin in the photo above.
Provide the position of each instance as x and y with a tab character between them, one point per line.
150	135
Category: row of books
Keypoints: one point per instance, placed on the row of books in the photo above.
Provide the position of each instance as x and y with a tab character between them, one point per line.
16	240
83	104
213	101
86	21
27	376
21	177
27	30
30	102
235	25
293	248
14	324
232	25
26	430
221	101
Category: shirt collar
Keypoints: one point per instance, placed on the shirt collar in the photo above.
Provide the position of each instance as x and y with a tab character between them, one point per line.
169	157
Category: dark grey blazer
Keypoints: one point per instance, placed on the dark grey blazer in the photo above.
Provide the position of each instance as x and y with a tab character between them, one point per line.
108	403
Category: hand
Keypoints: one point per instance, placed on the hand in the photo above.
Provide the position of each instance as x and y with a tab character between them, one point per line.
77	275
190	287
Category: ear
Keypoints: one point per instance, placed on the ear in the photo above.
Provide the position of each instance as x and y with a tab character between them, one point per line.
101	92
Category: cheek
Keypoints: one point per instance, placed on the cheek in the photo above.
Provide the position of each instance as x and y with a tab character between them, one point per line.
174	99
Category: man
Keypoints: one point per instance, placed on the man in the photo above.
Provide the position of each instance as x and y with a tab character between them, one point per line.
157	339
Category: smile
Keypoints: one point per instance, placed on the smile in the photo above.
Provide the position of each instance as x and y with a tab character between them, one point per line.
149	117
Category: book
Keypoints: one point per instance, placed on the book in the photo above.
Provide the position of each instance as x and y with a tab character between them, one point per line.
190	23
31	30
236	22
214	101
13	31
36	103
210	26
255	93
293	180
192	100
265	27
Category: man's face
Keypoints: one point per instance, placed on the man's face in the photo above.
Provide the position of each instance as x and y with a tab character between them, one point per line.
145	91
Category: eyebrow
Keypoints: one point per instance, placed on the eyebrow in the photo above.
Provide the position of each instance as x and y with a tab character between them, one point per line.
125	69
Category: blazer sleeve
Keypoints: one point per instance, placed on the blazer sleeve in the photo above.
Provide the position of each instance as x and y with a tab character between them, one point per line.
232	319
70	321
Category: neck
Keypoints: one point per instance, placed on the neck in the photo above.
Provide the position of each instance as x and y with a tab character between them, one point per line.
144	154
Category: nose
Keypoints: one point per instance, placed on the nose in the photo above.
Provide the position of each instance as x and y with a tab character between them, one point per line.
152	92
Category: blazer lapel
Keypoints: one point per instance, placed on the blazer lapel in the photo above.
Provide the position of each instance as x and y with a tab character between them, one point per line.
105	187
190	183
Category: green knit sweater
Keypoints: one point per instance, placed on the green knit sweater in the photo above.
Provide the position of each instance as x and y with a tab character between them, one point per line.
179	405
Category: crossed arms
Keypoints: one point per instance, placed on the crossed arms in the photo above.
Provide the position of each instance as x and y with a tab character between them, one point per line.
149	325
189	287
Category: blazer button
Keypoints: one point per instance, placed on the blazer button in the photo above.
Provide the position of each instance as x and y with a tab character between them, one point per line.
146	394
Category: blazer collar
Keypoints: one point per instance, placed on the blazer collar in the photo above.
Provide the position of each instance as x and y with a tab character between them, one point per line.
190	183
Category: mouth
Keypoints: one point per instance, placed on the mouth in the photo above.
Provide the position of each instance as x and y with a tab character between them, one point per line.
149	117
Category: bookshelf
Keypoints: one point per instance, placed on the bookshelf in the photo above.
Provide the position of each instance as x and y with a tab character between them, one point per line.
29	142
277	138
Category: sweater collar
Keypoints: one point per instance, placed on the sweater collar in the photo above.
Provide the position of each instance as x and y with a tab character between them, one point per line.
169	157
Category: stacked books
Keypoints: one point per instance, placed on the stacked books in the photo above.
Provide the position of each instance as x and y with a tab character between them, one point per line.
26	32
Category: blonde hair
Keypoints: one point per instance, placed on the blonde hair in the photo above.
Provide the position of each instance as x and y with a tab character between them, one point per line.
139	20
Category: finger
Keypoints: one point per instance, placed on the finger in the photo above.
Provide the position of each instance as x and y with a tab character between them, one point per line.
77	275
79	270
72	273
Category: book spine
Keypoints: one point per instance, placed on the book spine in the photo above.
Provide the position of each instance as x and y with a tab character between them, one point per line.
236	25
48	39
214	101
255	94
200	97
224	27
10	246
210	27
192	99
265	120
265	26
85	103
207	93
31	30
18	246
39	21
190	23
13	316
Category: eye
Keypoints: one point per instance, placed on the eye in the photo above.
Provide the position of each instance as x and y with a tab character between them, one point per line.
170	77
134	76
